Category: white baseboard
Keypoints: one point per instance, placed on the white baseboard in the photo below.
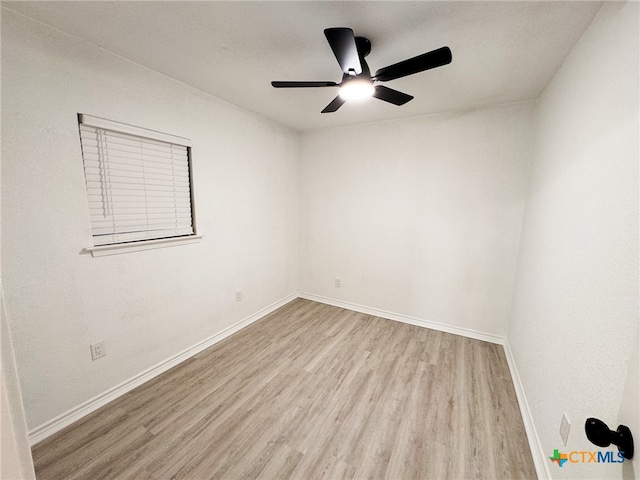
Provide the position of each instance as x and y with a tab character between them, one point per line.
540	460
539	457
61	421
398	317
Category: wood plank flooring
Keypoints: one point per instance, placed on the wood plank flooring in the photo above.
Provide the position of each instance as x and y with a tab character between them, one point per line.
308	392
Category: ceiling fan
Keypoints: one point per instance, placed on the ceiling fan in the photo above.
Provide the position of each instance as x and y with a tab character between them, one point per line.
357	82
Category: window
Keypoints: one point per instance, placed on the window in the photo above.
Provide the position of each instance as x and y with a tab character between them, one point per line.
138	182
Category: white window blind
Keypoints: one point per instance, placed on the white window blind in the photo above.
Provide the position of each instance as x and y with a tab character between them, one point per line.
138	186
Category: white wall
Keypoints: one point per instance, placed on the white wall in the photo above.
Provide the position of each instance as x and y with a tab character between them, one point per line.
419	217
146	306
575	312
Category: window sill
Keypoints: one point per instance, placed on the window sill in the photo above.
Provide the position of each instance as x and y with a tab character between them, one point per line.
103	250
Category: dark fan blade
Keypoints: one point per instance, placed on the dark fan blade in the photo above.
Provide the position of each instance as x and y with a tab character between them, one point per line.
436	58
343	44
303	84
390	95
334	105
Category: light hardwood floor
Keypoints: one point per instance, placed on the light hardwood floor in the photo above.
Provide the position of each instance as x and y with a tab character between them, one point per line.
310	391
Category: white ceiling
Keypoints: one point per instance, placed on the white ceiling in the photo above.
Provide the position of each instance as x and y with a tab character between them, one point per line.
502	51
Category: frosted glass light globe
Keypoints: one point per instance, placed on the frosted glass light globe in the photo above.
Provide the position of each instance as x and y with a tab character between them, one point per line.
356	90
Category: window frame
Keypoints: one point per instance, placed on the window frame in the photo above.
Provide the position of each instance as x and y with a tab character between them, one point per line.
146	243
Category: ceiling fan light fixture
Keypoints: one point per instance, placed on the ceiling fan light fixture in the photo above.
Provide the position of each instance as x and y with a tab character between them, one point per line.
357	82
354	90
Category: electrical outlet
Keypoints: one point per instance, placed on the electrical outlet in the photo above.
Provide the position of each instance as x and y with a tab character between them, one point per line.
98	351
565	426
337	283
238	295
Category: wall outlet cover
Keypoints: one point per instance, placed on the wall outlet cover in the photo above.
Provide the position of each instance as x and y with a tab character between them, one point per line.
565	426
98	350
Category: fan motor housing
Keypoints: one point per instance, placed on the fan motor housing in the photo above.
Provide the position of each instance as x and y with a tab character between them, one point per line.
364	46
